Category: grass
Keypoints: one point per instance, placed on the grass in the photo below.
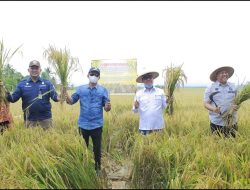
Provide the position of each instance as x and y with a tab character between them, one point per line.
185	155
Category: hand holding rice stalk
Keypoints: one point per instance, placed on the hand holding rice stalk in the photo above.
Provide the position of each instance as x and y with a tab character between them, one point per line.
174	78
64	65
242	96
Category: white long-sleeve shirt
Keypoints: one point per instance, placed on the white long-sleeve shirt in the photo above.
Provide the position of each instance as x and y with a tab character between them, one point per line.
152	102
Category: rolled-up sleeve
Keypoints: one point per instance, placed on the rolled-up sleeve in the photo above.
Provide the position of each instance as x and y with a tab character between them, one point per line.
207	94
75	96
53	93
105	97
164	101
134	109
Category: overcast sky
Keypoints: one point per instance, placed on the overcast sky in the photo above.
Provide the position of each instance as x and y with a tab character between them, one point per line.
202	35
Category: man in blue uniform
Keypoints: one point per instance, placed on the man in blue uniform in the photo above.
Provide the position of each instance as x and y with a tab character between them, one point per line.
35	93
93	98
218	98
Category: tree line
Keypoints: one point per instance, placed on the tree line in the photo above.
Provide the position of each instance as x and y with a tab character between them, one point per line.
12	77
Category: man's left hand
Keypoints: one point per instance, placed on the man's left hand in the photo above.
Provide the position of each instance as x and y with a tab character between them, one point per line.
107	106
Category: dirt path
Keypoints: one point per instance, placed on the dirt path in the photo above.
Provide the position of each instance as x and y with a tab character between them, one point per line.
118	174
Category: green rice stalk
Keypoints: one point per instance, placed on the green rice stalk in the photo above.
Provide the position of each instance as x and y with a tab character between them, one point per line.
243	95
174	77
63	64
5	56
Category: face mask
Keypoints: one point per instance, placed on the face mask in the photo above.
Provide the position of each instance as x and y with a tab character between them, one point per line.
148	86
93	79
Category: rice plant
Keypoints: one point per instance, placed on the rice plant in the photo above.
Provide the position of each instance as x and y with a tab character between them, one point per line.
32	158
185	155
64	66
243	95
174	77
5	57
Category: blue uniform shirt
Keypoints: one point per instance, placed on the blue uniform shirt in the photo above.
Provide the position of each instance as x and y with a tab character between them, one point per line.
92	101
223	99
28	90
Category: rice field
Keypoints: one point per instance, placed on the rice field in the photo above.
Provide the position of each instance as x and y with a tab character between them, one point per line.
185	155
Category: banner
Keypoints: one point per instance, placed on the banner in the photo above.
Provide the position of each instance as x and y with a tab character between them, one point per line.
122	71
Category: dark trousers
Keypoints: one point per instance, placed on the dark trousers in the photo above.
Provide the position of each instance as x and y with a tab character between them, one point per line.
224	130
146	132
96	136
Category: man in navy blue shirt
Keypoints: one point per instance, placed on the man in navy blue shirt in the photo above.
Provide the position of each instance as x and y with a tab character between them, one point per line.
93	98
35	93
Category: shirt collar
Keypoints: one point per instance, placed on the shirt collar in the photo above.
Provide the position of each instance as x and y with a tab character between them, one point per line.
219	84
38	79
145	89
93	87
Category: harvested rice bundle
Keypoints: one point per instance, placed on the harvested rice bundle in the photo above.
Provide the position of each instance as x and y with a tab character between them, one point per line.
63	64
243	95
174	77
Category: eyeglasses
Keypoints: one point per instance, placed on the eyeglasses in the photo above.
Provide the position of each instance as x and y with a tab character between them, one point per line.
147	77
92	74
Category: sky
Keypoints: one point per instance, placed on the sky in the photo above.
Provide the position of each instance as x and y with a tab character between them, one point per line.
200	35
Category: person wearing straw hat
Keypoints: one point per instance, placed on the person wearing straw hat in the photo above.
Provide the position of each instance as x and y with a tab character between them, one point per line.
93	98
150	103
218	98
36	94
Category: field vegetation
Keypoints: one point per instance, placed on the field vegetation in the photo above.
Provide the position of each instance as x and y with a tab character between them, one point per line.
184	155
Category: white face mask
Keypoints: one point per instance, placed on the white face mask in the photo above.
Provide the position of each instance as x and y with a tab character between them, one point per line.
93	79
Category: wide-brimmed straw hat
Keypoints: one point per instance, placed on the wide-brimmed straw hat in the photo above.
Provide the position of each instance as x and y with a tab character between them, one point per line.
228	69
153	73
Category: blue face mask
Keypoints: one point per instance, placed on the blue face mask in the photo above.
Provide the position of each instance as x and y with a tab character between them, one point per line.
148	86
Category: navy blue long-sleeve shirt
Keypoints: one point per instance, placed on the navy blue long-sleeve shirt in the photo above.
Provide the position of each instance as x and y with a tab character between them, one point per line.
28	90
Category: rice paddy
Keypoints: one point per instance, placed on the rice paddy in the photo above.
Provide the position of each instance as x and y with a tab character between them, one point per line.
184	155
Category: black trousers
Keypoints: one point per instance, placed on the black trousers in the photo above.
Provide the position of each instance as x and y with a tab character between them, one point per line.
96	136
146	132
224	130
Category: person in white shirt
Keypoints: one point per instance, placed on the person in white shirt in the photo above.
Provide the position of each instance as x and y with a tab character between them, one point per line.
150	102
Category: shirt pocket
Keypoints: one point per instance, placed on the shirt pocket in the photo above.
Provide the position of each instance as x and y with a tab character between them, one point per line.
28	91
98	99
230	96
45	91
158	99
144	99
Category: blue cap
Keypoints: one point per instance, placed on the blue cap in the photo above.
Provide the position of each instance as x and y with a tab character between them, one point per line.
94	69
